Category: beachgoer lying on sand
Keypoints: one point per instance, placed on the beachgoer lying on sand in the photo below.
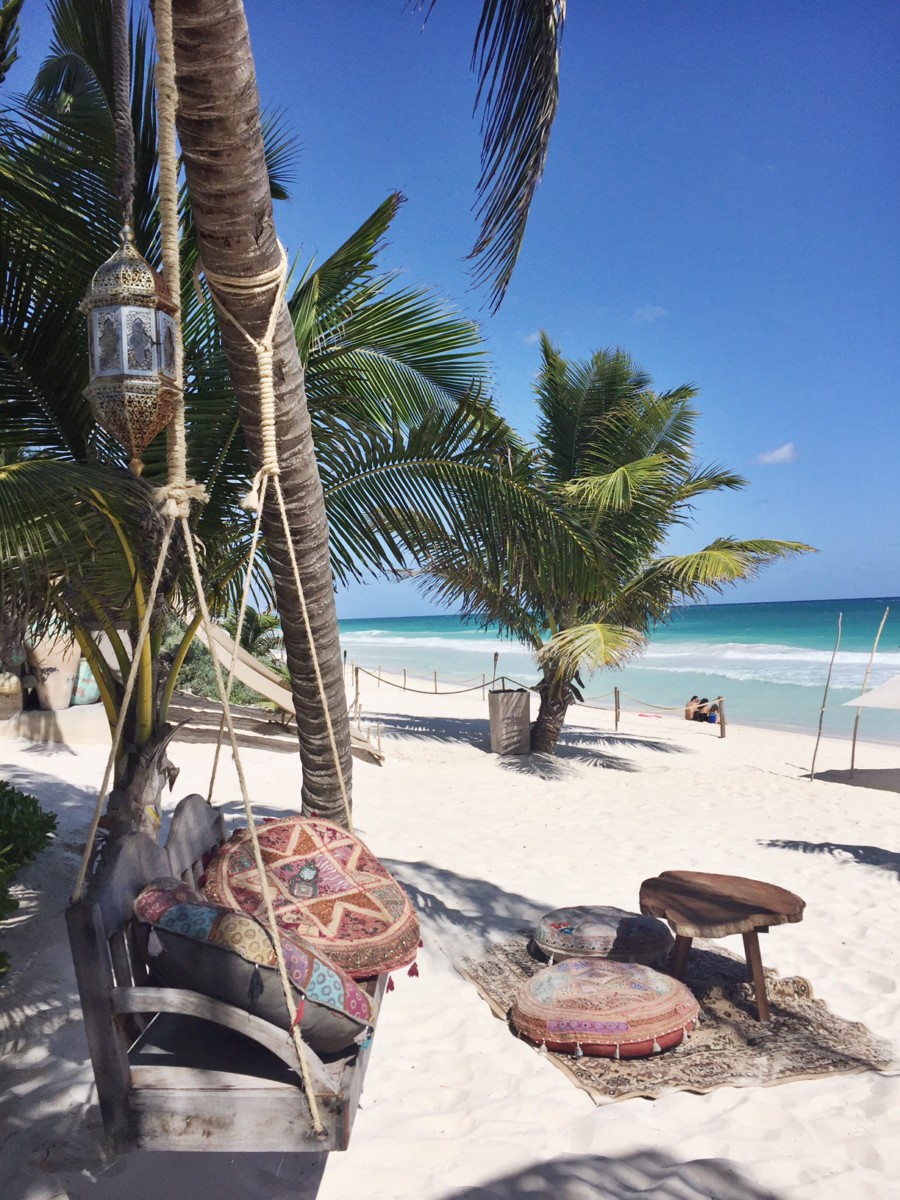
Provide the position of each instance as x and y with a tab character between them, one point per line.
701	712
690	707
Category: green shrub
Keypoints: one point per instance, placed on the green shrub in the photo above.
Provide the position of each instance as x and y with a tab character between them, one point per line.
25	829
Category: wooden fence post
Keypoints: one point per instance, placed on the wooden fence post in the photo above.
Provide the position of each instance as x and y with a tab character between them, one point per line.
435	683
483	682
404	679
618	706
721	716
356	696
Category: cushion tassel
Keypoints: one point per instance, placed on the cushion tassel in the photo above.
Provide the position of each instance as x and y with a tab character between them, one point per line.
551	960
579	1053
390	984
414	971
154	945
657	1049
255	988
542	1049
298	1016
617	1054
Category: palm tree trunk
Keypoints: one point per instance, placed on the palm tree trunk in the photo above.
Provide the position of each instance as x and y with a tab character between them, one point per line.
224	162
556	696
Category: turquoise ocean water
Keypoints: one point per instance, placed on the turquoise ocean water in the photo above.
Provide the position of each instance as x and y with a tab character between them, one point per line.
769	661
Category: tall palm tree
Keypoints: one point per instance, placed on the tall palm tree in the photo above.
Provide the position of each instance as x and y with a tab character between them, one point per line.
407	441
224	163
618	458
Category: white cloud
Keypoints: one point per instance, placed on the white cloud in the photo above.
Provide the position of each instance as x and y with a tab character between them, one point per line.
646	313
782	454
532	339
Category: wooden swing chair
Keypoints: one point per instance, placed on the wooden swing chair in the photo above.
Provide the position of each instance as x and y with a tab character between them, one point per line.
175	1069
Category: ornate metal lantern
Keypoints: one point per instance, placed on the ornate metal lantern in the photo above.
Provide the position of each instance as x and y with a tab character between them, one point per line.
131	341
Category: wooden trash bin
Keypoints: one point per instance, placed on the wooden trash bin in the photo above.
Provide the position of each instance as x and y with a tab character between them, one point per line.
510	716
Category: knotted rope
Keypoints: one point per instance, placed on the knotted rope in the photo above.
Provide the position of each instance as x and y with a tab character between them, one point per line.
175	498
257	286
121	48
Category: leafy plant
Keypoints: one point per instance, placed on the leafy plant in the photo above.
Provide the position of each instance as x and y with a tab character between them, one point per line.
25	829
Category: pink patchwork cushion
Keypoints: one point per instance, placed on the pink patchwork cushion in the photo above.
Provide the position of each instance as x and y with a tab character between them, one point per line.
230	956
607	1009
326	886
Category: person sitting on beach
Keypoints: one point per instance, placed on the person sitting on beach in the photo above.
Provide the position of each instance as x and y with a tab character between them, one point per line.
713	714
701	712
690	707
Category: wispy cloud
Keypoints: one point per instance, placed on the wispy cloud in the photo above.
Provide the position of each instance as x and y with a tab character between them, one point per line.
532	339
782	454
646	313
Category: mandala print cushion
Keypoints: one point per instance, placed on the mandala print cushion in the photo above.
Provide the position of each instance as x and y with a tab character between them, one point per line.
593	931
230	956
327	886
607	1009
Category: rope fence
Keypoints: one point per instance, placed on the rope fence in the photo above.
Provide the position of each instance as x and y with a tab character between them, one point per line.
503	681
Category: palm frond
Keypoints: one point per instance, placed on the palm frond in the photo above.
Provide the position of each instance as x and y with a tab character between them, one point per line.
589	647
516	57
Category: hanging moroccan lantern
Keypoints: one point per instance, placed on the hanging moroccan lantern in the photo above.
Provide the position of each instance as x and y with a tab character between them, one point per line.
131	341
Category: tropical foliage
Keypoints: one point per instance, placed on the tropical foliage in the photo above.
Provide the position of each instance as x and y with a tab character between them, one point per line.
407	440
616	459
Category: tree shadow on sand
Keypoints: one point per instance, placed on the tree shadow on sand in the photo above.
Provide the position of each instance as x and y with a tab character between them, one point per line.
643	1173
867	856
884	779
577	746
463	911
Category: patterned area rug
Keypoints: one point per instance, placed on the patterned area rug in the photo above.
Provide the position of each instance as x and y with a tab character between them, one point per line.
729	1047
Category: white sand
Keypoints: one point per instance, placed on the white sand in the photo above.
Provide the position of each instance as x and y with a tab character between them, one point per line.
454	1106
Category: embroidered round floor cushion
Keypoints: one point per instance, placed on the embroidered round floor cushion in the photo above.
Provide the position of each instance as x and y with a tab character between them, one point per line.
229	955
601	1008
593	931
326	886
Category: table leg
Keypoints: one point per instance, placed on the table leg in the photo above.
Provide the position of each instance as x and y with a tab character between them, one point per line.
679	960
754	962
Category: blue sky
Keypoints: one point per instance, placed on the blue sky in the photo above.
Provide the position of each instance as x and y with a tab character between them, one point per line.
720	200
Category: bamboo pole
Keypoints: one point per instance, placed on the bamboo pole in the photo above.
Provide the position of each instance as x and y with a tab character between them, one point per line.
864	686
812	769
618	706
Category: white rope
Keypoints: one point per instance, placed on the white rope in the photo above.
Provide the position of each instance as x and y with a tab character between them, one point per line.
180	490
175	498
254	543
123	710
251	828
256	287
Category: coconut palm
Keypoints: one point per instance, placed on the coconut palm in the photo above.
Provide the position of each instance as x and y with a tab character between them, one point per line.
407	441
224	164
618	458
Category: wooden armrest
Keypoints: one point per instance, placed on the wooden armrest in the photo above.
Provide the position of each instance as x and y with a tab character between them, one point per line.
192	1004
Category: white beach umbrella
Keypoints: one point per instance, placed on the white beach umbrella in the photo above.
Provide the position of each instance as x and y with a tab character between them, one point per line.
885	696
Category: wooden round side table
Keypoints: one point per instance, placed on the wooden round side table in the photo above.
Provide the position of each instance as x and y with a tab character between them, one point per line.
697	904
